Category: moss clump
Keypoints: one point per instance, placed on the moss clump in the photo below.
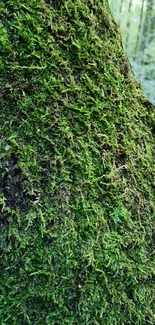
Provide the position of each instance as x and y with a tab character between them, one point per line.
77	170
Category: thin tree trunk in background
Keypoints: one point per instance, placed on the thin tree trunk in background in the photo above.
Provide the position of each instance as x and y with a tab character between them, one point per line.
121	5
152	22
148	12
112	5
139	27
120	11
128	24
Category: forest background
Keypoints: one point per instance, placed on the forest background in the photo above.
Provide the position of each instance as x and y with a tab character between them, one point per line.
136	19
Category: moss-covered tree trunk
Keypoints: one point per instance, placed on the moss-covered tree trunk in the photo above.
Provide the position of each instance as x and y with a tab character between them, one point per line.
77	170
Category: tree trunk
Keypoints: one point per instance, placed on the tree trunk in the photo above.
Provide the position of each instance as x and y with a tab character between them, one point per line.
121	6
151	27
139	29
120	11
128	24
146	24
77	169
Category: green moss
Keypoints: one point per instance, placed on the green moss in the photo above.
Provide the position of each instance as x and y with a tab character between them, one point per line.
77	170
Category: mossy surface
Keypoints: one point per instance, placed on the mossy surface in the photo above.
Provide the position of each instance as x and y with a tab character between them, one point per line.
77	171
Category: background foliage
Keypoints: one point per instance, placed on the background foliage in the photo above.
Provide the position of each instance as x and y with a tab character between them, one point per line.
136	19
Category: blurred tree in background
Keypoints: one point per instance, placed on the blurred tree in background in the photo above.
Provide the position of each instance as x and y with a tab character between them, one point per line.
136	19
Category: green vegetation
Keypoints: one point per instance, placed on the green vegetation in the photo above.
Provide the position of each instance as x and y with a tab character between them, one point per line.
77	170
137	24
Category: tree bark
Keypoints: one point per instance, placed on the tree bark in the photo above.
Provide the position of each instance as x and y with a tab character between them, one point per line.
77	169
